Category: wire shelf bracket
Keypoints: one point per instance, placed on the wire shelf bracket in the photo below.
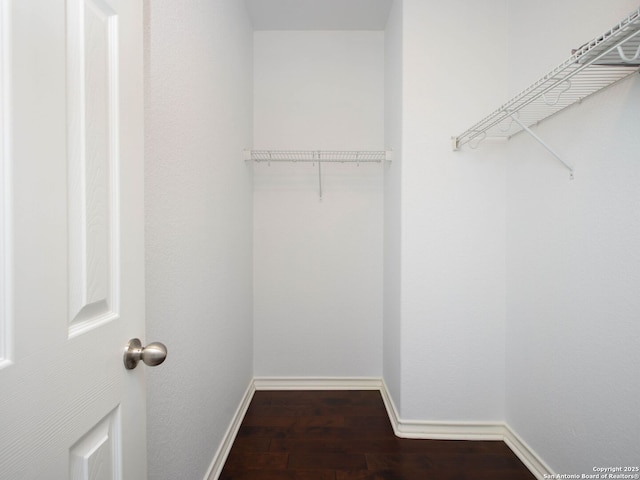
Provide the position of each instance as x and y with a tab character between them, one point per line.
545	145
319	157
596	65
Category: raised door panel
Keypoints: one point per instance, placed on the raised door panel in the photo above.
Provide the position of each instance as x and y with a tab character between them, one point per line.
4	186
96	456
92	117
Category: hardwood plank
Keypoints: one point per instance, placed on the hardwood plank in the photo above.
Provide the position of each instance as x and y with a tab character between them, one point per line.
302	443
258	421
369	475
252	444
256	461
370	424
399	462
279	475
313	409
313	421
324	460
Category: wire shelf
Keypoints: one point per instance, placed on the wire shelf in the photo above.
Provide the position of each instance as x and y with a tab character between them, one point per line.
317	156
598	64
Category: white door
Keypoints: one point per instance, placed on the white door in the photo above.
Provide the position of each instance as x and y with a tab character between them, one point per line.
72	247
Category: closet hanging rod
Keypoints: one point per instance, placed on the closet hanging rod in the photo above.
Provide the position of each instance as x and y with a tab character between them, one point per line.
337	156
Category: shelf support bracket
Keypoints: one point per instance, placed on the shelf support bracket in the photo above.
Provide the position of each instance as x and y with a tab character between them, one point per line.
319	178
541	142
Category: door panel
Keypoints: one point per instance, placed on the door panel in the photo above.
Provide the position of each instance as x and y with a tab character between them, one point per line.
72	231
92	126
95	456
5	344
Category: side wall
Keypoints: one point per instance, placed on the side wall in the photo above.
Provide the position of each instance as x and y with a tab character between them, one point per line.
392	297
573	376
453	223
198	227
318	263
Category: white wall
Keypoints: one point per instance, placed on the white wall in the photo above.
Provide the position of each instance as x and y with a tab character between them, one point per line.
318	264
198	227
453	213
573	375
392	297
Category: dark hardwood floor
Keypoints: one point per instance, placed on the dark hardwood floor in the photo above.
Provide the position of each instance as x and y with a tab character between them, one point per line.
346	435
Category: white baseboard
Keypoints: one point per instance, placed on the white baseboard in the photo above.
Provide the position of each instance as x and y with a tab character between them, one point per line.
215	469
417	429
317	383
465	431
530	459
420	429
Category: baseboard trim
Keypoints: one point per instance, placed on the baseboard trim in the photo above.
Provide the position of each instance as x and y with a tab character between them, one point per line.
417	429
464	431
420	429
317	383
531	460
219	459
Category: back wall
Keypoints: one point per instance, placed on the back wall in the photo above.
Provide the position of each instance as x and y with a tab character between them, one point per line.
318	263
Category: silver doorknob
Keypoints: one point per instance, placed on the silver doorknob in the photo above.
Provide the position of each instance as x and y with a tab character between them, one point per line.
152	355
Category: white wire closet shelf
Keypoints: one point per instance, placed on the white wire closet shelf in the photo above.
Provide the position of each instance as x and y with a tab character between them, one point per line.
357	156
318	157
605	60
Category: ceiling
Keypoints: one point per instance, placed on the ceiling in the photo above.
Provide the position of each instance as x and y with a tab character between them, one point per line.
318	14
